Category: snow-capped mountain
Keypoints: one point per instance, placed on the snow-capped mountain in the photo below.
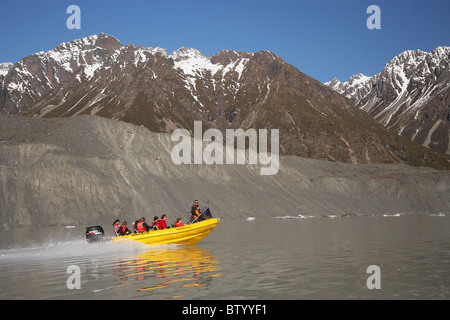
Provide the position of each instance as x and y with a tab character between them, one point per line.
411	96
34	77
147	86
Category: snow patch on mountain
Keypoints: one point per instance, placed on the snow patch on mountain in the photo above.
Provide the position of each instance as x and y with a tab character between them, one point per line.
237	66
5	67
195	65
69	52
192	62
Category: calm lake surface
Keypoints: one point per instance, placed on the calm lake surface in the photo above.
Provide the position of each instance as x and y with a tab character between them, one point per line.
271	259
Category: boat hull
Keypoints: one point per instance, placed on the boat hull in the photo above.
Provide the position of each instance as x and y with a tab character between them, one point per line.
187	234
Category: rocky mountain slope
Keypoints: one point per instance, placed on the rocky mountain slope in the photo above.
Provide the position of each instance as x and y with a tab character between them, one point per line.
410	97
90	170
146	86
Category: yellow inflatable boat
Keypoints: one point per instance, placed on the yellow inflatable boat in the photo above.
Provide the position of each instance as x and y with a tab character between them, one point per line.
190	233
187	234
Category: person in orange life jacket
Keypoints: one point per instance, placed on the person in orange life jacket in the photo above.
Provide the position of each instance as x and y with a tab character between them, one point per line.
195	212
116	226
143	226
178	223
123	229
163	222
156	223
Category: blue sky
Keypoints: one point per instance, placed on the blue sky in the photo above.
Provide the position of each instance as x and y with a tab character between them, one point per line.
322	38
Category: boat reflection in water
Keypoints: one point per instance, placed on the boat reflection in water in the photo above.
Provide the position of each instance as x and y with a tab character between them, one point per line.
168	266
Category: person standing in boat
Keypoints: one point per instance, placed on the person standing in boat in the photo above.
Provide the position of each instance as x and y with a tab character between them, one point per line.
195	212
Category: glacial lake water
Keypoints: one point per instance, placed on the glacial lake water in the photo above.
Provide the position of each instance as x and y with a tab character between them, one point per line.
290	257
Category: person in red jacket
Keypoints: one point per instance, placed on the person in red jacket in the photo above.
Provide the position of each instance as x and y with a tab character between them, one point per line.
123	229
163	222
178	223
155	224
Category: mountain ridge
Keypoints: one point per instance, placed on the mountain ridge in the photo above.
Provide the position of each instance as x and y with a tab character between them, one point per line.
410	96
98	75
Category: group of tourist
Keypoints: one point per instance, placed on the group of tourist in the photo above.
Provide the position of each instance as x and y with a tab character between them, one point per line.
140	225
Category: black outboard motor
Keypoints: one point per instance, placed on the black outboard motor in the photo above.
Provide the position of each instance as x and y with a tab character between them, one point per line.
95	234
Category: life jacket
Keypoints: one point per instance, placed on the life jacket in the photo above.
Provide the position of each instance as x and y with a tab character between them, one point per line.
195	211
140	227
179	224
163	224
156	224
123	230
